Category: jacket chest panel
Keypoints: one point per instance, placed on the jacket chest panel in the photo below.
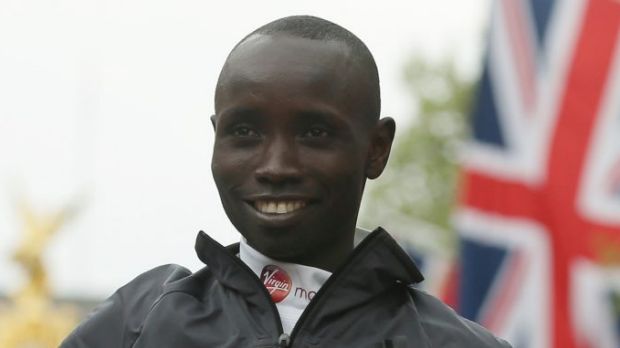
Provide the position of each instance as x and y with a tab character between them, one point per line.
389	320
180	320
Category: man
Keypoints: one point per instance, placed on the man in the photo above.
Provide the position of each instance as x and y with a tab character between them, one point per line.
297	133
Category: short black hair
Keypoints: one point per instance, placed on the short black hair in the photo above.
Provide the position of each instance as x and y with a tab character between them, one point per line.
315	28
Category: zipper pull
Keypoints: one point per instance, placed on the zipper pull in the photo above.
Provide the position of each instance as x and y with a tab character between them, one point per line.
284	340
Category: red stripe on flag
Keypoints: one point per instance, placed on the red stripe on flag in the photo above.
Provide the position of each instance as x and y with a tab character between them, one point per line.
579	107
502	197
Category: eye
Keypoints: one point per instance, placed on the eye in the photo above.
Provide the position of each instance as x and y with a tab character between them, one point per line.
316	132
244	131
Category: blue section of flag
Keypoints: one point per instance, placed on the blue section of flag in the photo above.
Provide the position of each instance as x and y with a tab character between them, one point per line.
542	10
480	268
485	119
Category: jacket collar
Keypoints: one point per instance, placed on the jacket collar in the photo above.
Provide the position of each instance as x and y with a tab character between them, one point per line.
375	264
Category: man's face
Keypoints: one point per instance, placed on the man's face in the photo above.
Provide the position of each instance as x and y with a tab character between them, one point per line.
291	145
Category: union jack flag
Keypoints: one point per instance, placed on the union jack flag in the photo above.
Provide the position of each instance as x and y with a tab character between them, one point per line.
539	217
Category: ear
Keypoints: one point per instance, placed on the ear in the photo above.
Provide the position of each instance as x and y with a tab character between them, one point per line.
213	120
380	146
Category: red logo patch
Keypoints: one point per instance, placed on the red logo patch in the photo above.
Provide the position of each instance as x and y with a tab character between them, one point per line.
277	282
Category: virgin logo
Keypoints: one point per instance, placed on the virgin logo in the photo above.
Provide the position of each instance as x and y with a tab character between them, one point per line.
277	282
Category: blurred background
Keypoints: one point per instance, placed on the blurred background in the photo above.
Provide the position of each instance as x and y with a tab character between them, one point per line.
504	181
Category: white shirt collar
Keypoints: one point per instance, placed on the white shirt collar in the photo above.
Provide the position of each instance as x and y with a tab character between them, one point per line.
291	285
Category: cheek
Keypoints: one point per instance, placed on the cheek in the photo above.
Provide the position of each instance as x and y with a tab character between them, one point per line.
341	172
230	164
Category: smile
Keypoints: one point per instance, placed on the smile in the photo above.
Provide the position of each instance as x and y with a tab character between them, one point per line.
278	207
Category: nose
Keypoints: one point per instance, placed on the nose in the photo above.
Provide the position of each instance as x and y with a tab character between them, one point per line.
279	163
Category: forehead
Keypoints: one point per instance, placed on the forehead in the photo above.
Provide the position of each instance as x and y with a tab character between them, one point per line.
287	65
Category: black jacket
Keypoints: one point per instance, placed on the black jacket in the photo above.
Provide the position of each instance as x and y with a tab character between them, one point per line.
367	302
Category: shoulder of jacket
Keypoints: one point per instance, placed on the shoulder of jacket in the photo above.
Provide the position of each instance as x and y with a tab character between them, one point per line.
141	293
157	278
117	320
445	327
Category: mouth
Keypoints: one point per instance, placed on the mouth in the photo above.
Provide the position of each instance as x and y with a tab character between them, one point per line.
278	207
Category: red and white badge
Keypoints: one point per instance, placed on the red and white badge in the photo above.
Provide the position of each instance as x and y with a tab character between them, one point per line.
277	282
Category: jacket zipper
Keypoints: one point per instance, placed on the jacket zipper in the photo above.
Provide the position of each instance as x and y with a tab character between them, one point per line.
283	339
315	300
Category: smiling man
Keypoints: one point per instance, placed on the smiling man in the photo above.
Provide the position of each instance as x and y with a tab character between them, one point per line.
297	133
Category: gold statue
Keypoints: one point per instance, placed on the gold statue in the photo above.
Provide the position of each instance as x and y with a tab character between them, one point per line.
31	320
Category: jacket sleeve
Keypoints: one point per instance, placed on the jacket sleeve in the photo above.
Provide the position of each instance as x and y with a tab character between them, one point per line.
445	328
117	321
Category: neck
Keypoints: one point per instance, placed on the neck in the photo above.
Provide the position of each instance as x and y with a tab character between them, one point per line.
332	255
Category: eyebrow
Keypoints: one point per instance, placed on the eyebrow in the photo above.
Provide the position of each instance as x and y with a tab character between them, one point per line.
241	111
323	115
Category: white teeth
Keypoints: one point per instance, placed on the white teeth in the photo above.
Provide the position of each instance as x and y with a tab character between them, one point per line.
278	207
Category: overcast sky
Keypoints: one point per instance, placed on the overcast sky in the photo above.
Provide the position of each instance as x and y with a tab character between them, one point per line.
109	101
